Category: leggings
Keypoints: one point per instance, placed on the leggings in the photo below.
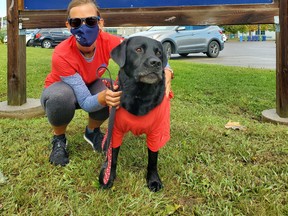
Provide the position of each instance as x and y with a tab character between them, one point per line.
59	102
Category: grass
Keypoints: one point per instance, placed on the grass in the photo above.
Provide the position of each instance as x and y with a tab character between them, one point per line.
206	169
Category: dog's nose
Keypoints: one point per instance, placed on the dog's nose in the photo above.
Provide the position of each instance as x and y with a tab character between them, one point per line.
155	62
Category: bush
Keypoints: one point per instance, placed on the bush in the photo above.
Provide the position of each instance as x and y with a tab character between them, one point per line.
2	35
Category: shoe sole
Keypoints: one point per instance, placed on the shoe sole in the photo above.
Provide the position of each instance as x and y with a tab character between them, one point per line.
87	140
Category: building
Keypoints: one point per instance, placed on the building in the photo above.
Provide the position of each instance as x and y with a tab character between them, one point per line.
125	31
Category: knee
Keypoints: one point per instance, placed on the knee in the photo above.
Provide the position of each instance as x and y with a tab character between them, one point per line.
59	105
58	101
58	95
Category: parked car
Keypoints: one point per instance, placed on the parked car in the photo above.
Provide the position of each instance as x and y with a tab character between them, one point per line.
48	38
30	33
29	37
183	40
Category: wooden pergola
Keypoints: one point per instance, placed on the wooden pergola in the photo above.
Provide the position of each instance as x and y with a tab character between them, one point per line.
217	14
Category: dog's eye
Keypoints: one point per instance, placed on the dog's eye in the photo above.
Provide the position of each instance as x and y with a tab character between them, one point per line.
158	53
139	49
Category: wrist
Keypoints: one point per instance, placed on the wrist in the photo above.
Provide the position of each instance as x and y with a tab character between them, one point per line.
102	98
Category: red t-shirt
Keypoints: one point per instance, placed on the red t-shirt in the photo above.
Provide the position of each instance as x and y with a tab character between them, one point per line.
67	59
155	124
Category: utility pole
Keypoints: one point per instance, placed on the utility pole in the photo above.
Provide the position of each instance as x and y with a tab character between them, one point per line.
17	105
16	61
280	114
282	62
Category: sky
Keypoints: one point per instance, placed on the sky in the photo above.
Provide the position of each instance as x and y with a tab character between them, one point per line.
2	8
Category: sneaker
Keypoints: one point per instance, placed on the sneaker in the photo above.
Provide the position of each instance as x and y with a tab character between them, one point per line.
94	139
59	154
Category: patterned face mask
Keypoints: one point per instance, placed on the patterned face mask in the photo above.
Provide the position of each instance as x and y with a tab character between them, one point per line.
85	35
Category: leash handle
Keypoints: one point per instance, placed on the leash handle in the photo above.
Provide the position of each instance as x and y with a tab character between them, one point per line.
111	87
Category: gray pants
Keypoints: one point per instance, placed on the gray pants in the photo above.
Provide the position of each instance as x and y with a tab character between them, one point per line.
59	102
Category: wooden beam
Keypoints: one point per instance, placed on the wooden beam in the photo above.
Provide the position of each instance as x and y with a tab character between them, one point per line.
20	5
16	60
193	15
282	62
205	15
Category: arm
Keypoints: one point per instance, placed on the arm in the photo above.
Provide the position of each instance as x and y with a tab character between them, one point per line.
88	102
169	75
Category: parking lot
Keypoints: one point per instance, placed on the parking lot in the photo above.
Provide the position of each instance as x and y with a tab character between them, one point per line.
244	54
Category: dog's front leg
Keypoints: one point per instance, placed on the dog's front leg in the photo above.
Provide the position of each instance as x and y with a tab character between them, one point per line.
108	170
153	180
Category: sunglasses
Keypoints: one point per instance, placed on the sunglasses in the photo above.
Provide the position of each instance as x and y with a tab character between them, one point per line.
89	21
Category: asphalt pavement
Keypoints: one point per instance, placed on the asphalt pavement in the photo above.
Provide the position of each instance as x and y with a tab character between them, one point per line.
253	54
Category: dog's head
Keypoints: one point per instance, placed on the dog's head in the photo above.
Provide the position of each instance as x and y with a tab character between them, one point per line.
141	58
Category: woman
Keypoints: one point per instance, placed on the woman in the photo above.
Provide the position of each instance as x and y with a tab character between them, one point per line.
73	83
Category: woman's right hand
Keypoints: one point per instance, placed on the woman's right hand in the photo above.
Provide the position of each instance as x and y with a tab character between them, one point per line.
113	98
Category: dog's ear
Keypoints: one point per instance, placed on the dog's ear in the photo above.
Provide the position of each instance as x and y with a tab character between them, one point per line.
118	54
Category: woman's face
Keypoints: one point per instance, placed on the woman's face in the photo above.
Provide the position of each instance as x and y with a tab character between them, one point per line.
83	11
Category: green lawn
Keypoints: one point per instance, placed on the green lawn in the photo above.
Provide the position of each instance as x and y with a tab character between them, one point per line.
206	169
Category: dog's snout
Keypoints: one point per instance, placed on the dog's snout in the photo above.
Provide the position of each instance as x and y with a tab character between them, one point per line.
155	62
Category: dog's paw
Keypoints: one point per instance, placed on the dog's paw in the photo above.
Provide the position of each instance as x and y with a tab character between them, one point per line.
106	178
153	181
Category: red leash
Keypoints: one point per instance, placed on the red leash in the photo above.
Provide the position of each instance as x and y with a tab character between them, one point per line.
106	142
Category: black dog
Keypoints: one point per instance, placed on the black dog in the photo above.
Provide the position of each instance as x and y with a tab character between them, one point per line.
144	107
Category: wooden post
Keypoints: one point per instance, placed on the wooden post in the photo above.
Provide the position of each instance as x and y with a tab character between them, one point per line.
16	61
282	62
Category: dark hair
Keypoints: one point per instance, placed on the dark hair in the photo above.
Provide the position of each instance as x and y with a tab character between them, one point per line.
75	3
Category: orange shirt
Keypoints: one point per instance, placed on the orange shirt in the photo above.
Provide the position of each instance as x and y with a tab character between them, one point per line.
155	124
67	59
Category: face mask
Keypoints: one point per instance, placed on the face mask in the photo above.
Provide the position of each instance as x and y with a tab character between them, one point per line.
85	35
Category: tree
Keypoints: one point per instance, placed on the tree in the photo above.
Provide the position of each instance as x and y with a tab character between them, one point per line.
234	29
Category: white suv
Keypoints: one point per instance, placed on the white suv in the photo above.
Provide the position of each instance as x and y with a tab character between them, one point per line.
183	40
